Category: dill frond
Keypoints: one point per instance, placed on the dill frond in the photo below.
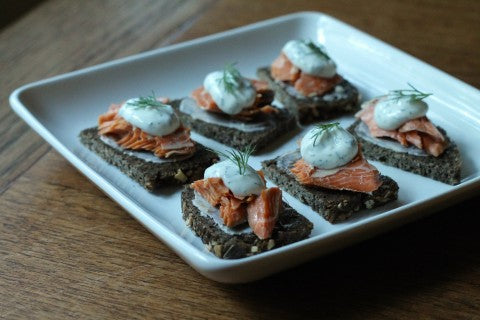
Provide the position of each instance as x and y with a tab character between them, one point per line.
319	50
146	102
321	128
231	78
239	158
412	94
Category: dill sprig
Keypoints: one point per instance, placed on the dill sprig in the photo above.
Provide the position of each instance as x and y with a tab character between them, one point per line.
231	78
146	102
316	49
412	94
239	158
321	128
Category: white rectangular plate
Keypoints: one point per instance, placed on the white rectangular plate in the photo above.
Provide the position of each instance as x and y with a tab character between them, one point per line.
49	106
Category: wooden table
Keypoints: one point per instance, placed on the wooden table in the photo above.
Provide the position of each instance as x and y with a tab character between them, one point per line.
66	250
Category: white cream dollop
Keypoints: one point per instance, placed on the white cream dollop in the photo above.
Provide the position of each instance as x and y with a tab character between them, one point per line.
390	113
307	60
328	148
241	185
154	120
242	94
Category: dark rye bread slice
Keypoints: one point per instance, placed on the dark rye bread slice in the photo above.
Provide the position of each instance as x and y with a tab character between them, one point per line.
291	227
445	168
149	174
277	124
342	99
333	205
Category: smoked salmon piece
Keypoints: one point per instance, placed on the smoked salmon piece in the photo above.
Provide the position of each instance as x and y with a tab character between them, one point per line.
261	211
422	125
113	125
358	175
309	85
261	105
232	211
264	211
204	100
212	189
419	132
282	69
260	85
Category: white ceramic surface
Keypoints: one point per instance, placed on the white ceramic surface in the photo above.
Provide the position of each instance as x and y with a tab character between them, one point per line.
49	106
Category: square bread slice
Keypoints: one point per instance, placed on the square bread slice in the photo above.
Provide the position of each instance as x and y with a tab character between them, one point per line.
342	99
235	133
445	168
291	227
333	205
151	175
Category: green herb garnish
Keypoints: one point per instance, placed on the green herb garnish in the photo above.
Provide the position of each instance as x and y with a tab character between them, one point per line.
316	49
412	94
146	102
321	128
240	158
231	78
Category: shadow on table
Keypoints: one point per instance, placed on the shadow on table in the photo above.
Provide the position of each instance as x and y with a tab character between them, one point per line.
14	9
409	268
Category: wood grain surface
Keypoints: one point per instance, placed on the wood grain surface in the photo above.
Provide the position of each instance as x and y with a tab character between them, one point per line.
68	251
